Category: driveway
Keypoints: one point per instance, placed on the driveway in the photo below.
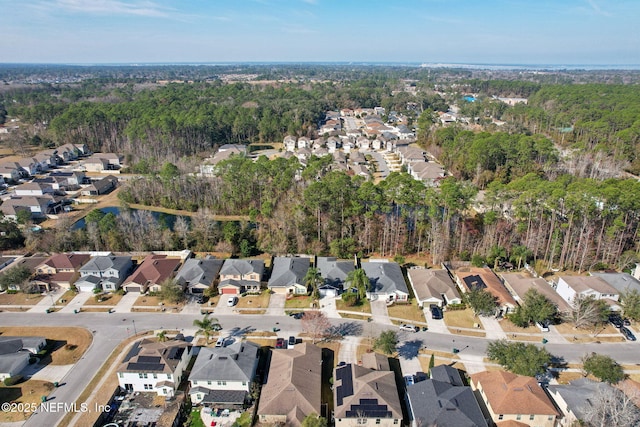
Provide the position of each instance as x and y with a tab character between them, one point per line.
192	306
48	301
77	302
379	312
492	328
409	353
435	325
276	305
348	350
126	303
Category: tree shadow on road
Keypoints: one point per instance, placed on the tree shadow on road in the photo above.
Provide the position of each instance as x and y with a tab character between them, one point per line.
409	349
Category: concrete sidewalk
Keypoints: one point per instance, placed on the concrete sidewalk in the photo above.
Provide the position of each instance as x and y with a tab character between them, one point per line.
492	328
47	302
77	302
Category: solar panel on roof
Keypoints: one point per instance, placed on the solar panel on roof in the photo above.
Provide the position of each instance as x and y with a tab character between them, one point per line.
343	373
176	353
145	367
475	282
149	359
133	352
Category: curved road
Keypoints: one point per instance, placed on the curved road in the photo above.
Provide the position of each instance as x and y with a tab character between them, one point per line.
110	329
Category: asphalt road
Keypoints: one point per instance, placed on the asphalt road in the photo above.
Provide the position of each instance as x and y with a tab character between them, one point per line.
111	329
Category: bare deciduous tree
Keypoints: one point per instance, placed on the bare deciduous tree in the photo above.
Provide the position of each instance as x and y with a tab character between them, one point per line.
316	324
611	407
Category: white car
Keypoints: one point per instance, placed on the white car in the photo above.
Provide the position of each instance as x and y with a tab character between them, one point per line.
232	301
408	328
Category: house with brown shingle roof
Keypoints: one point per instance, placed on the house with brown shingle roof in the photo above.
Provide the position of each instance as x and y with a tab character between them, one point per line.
293	387
468	278
514	398
60	270
519	283
153	270
433	287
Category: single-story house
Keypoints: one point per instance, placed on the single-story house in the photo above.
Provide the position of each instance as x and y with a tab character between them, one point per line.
433	287
334	273
385	281
151	273
468	278
287	275
197	275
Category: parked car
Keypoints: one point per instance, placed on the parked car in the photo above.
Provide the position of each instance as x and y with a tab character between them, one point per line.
280	343
543	326
436	312
627	334
297	315
232	301
220	342
216	327
409	328
409	380
616	320
626	322
291	342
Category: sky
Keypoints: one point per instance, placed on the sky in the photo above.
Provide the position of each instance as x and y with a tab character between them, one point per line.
598	32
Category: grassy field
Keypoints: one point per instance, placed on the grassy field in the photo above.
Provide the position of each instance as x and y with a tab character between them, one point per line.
66	297
20	298
410	312
28	392
254	301
69	344
250	311
363	307
107	300
461	319
303	301
509	327
354	316
147	301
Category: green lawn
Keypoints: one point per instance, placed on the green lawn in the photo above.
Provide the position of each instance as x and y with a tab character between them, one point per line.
302	301
363	307
196	420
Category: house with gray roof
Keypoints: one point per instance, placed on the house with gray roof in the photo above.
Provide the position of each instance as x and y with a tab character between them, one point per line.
106	272
154	366
222	376
334	273
15	353
577	398
287	275
385	281
444	400
238	276
622	282
197	275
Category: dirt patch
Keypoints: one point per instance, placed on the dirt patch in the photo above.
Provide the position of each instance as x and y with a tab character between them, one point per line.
105	300
147	301
20	298
252	311
27	395
254	301
68	344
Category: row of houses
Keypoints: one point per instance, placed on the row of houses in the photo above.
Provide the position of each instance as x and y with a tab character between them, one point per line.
108	272
222	377
363	394
443	287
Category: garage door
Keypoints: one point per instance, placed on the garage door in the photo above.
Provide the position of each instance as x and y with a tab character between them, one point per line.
230	291
133	289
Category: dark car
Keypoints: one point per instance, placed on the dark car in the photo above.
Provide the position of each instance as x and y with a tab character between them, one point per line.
297	315
627	334
291	342
626	322
616	320
436	312
280	343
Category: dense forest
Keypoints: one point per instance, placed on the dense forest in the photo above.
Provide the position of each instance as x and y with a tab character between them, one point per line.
549	186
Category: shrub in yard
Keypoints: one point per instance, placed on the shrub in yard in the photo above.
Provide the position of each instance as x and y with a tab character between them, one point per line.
350	299
12	380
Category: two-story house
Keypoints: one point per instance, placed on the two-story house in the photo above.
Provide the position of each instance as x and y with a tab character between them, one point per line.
60	270
104	272
511	397
572	287
222	376
153	366
238	276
